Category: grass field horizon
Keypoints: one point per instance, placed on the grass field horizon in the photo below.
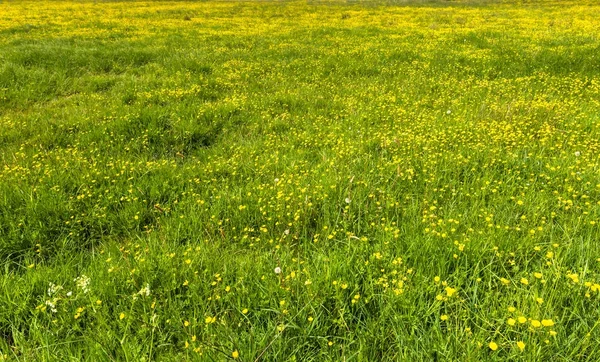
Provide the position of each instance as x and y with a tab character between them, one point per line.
299	181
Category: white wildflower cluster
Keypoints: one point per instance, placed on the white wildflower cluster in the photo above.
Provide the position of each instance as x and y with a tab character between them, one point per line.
144	292
51	305
53	289
83	283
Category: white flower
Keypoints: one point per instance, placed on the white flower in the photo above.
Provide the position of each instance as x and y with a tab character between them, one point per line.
69	294
276	180
145	291
577	153
286	231
53	288
83	283
347	200
277	270
448	111
52	306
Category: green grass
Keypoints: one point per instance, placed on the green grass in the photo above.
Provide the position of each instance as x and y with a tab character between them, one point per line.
407	168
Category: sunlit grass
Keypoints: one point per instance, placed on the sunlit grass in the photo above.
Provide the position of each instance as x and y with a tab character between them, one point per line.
299	181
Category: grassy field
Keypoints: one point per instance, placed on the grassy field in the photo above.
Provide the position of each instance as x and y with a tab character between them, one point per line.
300	181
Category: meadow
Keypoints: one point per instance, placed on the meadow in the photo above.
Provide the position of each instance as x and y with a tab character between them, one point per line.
300	181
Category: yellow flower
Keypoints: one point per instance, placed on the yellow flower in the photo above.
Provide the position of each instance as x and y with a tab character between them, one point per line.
186	323
512	309
444	317
493	346
450	291
536	323
524	281
511	321
522	319
235	354
547	322
521	345
122	315
245	311
505	281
